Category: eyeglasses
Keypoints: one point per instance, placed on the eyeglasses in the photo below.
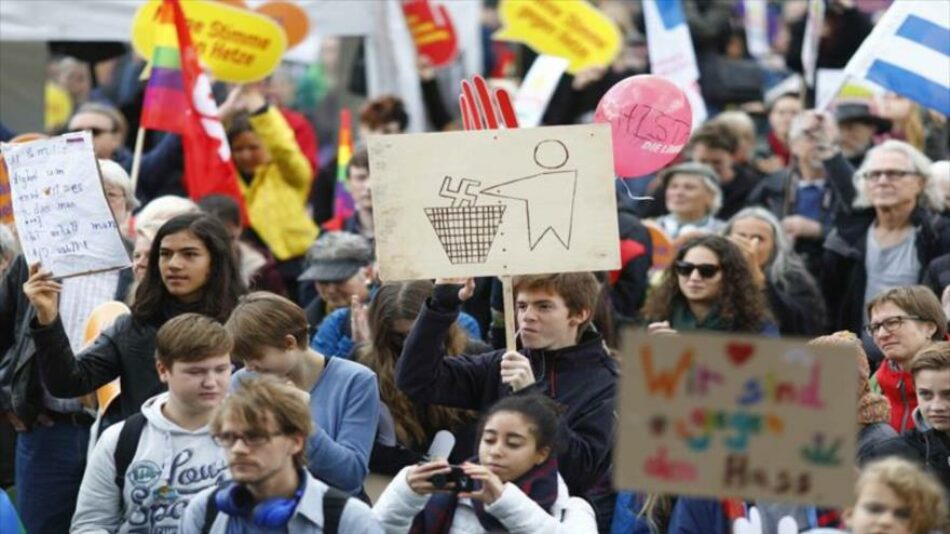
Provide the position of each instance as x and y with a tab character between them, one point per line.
889	175
706	270
891	324
251	439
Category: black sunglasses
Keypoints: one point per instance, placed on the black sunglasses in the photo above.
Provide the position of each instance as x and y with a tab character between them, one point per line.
706	270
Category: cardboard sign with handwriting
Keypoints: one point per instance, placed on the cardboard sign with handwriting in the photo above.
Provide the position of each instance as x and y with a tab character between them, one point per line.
60	207
730	416
494	202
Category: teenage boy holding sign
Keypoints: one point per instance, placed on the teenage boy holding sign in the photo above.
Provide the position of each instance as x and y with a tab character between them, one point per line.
560	356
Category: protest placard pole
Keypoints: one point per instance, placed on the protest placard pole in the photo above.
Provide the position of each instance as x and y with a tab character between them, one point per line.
509	295
137	157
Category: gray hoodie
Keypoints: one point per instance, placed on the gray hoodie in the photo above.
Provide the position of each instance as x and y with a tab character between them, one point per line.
170	466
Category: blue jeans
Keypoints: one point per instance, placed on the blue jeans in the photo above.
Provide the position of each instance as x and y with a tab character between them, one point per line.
49	466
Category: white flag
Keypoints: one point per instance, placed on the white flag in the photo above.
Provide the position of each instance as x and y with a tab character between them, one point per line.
670	48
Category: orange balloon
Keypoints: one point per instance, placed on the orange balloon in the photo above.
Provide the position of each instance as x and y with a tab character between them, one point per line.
289	15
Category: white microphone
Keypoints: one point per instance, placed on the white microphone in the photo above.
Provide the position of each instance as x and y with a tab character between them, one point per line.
442	445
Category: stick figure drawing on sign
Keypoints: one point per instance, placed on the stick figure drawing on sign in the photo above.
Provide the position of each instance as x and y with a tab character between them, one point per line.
548	196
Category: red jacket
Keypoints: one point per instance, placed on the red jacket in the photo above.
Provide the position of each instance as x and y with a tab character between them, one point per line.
898	386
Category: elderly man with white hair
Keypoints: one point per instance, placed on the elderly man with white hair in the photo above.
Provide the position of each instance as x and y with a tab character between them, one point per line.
893	231
51	427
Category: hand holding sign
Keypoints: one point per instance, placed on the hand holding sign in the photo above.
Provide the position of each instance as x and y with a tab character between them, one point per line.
467	289
516	371
43	293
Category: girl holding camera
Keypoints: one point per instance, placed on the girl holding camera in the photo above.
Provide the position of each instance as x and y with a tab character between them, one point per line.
513	485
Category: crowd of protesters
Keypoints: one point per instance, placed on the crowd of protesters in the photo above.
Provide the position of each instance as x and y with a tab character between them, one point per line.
266	374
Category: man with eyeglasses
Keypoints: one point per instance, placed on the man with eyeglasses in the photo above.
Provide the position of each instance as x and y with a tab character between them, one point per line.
892	232
161	167
263	429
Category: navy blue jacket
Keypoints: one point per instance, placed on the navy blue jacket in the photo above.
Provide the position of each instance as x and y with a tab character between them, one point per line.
582	378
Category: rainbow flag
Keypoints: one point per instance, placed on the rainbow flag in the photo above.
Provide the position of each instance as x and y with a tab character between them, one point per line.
343	206
165	97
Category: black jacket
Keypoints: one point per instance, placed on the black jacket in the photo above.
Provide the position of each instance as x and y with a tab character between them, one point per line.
582	378
798	307
937	277
20	388
931	448
125	351
843	277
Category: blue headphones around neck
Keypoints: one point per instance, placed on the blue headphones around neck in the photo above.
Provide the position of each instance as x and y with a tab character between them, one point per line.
236	500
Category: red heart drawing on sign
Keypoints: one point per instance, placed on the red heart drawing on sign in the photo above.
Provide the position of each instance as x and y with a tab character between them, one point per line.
739	352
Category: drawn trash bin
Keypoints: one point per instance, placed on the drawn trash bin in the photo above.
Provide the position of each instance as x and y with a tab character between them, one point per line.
466	231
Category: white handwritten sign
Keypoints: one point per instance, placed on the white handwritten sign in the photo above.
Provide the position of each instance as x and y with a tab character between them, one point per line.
60	207
730	416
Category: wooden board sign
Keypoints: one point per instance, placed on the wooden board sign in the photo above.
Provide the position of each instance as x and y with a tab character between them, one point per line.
494	202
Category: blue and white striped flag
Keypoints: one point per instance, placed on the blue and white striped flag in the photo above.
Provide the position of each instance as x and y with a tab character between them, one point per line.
908	52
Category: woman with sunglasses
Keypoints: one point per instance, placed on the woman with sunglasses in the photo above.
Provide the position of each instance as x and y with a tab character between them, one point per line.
903	321
709	286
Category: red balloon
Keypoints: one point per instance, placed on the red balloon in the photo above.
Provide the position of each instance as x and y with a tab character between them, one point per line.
650	121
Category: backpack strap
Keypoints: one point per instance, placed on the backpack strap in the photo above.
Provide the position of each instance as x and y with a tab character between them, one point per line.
126	446
334	501
211	508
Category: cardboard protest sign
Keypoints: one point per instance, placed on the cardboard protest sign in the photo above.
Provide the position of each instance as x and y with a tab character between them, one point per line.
494	202
60	206
729	416
238	45
571	29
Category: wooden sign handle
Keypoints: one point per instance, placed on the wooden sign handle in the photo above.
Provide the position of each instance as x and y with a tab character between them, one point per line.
509	297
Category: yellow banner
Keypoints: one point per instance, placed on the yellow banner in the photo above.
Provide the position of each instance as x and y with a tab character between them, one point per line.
572	29
239	46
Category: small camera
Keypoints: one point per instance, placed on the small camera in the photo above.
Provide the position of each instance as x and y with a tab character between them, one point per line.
463	482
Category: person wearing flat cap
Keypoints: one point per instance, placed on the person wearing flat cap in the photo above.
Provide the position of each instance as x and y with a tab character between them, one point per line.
857	127
340	265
